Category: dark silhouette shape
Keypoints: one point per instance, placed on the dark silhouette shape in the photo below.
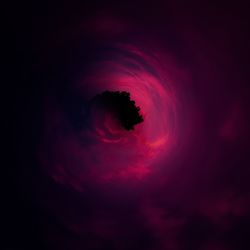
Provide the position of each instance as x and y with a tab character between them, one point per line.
122	107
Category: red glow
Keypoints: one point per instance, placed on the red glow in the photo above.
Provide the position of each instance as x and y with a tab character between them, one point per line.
106	152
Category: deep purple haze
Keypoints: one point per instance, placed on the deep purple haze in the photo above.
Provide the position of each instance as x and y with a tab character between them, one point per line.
180	180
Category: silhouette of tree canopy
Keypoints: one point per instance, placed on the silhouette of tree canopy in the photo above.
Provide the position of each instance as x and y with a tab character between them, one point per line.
122	107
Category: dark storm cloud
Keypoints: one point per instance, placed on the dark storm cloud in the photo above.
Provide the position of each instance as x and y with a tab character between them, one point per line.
183	182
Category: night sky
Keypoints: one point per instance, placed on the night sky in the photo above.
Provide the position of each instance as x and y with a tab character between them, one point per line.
127	126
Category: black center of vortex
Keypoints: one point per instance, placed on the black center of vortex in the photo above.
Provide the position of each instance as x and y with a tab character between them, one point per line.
121	106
